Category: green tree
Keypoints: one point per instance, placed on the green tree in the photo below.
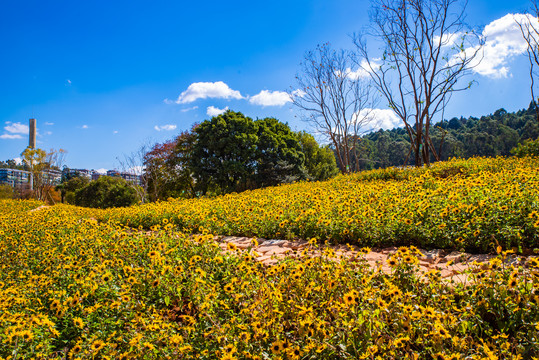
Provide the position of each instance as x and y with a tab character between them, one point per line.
69	188
224	153
167	168
231	152
279	156
528	148
320	163
106	192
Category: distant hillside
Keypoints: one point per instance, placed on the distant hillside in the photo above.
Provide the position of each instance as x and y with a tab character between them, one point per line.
491	135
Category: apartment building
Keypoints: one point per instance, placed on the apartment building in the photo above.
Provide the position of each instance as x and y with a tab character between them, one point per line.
126	176
15	178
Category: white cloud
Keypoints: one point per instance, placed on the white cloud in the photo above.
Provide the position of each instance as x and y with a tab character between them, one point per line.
213	111
16	128
101	171
85	126
270	98
448	40
68	82
503	41
380	119
362	72
204	90
189	109
115	132
48	132
48	123
10	136
18	160
168	127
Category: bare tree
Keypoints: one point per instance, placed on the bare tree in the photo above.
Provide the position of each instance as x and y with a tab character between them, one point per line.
133	164
529	27
427	49
335	100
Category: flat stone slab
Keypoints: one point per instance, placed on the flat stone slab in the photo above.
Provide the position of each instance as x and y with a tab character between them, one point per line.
272	250
272	242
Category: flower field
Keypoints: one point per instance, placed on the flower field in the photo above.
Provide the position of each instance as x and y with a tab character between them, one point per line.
474	205
81	283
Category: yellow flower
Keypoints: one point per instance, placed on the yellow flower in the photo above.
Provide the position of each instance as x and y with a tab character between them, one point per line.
277	347
78	322
148	346
26	335
76	349
350	298
97	345
229	349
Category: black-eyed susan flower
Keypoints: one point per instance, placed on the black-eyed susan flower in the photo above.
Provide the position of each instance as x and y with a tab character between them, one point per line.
277	347
97	345
78	322
76	349
230	349
26	335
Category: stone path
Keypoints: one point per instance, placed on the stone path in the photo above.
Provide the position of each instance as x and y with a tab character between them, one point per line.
451	265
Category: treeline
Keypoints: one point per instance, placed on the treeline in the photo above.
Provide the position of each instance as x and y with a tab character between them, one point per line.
228	153
491	135
231	153
12	164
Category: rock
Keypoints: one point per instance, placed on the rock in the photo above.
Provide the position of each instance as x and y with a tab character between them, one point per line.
480	258
272	242
270	262
295	245
455	256
44	207
389	250
431	256
375	256
515	260
272	250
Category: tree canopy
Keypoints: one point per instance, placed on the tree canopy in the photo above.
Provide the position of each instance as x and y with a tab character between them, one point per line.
106	192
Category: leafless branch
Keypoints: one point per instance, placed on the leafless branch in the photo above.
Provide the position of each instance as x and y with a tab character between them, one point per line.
336	100
427	49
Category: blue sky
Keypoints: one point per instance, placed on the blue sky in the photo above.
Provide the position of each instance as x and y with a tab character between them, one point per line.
103	77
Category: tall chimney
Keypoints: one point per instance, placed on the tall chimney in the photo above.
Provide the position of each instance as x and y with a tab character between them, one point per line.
32	137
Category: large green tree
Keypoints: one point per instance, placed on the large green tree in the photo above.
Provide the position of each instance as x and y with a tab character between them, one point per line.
224	153
232	152
279	157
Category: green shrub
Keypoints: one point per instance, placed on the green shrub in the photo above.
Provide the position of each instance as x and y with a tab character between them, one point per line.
6	192
106	192
528	148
